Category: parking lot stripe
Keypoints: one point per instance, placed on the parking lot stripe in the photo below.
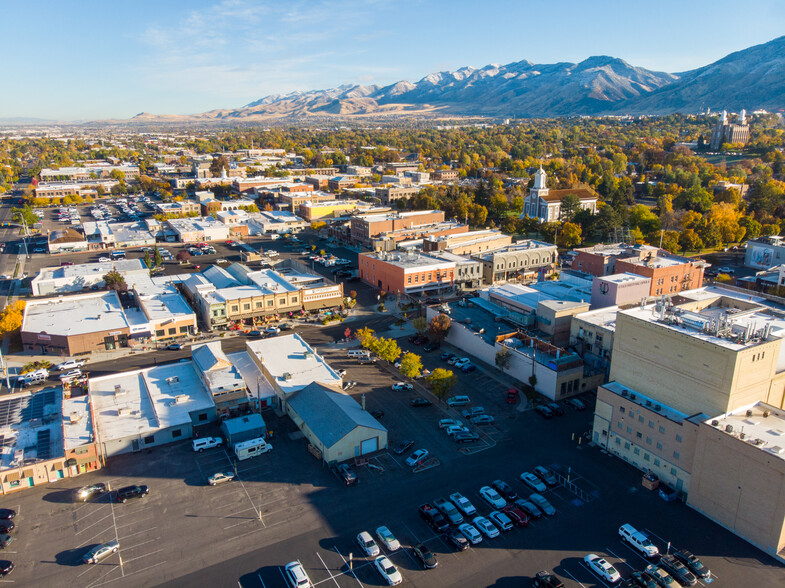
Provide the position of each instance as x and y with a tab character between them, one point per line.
350	570
91	514
139	544
143	556
635	552
617	556
261	581
135	521
127	537
95	523
566	571
327	570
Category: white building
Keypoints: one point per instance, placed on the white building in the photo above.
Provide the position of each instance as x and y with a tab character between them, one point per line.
545	204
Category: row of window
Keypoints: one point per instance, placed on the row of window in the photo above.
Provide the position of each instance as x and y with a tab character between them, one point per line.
646	456
171	331
259	304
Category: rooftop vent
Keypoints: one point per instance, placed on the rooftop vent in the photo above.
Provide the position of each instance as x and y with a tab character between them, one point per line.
118	391
749	413
287	376
74	417
715	423
172	380
181	399
632	397
765	414
777	449
624	392
648	403
657	407
124	411
729	428
742	435
758	442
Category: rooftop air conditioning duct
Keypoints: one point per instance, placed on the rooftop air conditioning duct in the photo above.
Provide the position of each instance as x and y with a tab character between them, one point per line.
729	428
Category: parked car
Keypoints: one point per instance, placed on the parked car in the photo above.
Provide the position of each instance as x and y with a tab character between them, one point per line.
6	514
638	540
426	556
533	482
367	544
254	333
7	526
546	475
448	509
220	478
482	419
463	504
602	568
505	490
492	497
99	552
346	474
446	356
501	520
419	402
416	457
465	437
457	540
296	576
555	408
86	493
445	423
174	346
486	527
516	515
403	447
545	579
387	570
388	539
272	330
678	570
543	504
544	411
399	386
203	443
662	577
693	563
455	430
130	492
640	580
576	403
471	533
473	411
70	375
70	364
5	541
433	517
529	508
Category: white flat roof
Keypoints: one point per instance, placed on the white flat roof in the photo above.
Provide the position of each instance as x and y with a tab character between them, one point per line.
99	268
77	424
602	317
292	362
625	278
257	384
412	261
765	433
149	400
75	315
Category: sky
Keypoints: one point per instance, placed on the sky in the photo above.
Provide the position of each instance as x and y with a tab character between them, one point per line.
90	60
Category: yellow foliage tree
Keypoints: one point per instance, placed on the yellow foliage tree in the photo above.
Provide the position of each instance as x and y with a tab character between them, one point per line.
11	318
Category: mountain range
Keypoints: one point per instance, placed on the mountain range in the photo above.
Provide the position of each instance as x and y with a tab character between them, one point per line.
753	78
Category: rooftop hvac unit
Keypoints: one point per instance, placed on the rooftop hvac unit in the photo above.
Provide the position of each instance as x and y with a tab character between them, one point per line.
172	380
758	442
729	428
624	392
632	396
287	376
715	423
657	407
777	449
648	403
749	413
74	418
118	390
181	399
124	411
765	414
742	435
308	355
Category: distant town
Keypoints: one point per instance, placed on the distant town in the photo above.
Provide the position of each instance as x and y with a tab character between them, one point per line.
542	351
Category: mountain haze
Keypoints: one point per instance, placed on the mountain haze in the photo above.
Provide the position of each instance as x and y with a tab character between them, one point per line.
752	78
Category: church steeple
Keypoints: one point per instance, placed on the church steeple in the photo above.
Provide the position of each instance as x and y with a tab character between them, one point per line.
539	179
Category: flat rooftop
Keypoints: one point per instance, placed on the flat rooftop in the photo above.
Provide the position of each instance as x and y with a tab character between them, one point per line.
375	218
292	362
602	317
77	423
411	260
86	313
147	400
255	381
767	433
529	245
30	427
99	268
625	278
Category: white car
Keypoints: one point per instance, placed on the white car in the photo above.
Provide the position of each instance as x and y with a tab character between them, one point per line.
455	429
471	533
416	457
71	375
272	330
367	544
444	423
533	482
388	539
222	260
462	362
492	497
486	526
602	568
388	571
463	504
96	554
70	364
103	259
295	575
501	520
398	386
543	504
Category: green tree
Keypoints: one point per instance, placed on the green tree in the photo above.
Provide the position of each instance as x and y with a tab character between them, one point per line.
438	327
148	260
420	324
503	359
753	227
441	381
569	236
689	240
769	230
114	280
157	256
570	204
670	241
386	349
411	365
24	214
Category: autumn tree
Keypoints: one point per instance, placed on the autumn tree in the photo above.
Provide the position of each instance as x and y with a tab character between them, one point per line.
438	327
411	365
768	230
183	256
420	324
386	349
569	236
219	164
11	317
689	240
570	204
114	280
503	359
723	219
365	336
441	381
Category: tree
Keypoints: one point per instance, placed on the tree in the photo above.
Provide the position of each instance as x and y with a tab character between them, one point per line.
411	365
420	324
441	382
569	236
438	327
570	204
769	230
353	294
218	165
157	256
670	241
11	317
724	219
24	214
503	358
387	349
114	280
365	336
548	231
183	256
689	240
148	259
318	224
753	227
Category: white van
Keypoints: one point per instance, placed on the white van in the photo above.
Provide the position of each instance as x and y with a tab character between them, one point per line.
458	401
251	448
358	353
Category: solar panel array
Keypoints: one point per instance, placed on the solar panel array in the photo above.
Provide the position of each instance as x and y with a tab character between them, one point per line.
14	411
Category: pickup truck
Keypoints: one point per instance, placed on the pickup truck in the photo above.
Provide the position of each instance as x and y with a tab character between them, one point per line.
638	541
448	509
434	518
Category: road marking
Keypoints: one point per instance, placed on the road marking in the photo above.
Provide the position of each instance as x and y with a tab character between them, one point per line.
139	544
95	523
327	570
145	555
573	577
260	580
116	536
126	537
350	569
135	521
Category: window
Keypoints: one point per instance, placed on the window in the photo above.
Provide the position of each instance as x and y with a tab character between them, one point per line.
626	446
416	278
294	299
177	433
172	331
270	302
640	418
235	308
656	462
202	417
646	457
673	471
159	333
409	280
618	424
651	424
282	301
636	451
639	435
247	306
149	440
678	438
659	445
618	441
622	409
662	429
183	329
648	440
676	455
629	429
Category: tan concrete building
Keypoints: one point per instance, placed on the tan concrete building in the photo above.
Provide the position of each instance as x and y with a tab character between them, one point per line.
393	193
364	228
738	475
468	243
592	335
443	175
517	261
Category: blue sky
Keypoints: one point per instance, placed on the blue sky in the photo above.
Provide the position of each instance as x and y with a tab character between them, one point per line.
87	59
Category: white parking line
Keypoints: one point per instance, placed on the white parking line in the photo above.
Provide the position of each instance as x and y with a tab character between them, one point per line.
566	571
95	523
260	580
635	552
134	522
127	537
350	570
327	570
143	556
623	561
126	548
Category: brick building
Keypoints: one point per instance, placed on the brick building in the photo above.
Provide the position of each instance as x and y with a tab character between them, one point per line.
365	228
409	273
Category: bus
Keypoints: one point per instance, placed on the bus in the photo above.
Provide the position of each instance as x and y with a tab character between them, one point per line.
117	255
251	448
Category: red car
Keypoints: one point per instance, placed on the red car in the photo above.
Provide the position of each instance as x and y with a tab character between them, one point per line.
512	396
517	516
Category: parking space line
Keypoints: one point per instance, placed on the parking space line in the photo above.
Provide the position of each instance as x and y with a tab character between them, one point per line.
260	580
127	537
416	538
617	556
140	544
351	569
135	521
145	555
327	570
94	582
90	515
95	523
634	552
566	571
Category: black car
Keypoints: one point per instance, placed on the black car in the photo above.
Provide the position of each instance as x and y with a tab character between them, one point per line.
457	540
434	518
446	355
403	447
7	514
544	412
642	580
693	563
678	570
6	527
465	437
420	402
545	579
86	493
130	492
505	490
426	556
555	408
6	567
529	508
431	347
346	474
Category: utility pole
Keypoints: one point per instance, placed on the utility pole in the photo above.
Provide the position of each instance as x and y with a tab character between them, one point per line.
5	371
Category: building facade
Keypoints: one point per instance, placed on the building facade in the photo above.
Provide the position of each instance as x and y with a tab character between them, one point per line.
545	204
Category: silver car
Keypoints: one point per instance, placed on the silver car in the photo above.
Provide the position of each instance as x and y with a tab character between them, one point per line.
99	552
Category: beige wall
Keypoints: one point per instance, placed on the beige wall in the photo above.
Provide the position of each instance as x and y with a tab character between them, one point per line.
688	373
741	487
